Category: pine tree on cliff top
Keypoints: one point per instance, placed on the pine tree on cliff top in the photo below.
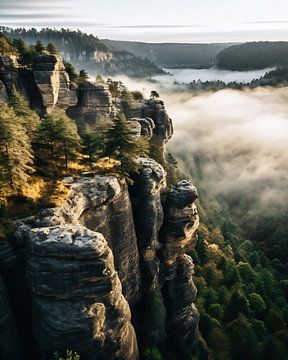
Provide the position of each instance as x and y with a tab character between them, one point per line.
93	141
29	118
16	156
121	145
59	134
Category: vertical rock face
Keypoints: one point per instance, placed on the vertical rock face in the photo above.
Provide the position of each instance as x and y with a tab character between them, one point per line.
53	83
178	236
147	126
163	131
102	204
9	74
114	219
10	348
149	217
77	295
94	104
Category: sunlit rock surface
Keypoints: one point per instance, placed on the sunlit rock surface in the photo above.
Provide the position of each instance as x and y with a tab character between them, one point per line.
53	83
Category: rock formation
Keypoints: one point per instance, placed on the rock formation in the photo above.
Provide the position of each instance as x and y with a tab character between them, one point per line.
155	109
178	236
94	104
53	83
147	126
77	295
108	251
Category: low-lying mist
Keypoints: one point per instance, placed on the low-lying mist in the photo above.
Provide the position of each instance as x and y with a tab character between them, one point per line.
234	145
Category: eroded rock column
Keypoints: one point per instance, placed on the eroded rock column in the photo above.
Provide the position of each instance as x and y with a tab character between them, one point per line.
178	236
77	296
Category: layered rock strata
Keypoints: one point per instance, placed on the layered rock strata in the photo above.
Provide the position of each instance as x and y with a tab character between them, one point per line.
178	236
53	83
94	105
77	294
163	130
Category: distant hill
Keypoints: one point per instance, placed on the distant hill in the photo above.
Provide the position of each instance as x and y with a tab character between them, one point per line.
253	56
171	55
87	51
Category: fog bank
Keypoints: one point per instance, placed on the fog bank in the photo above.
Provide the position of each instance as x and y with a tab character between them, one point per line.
233	143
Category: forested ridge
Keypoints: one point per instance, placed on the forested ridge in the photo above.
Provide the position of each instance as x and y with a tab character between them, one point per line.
253	56
86	50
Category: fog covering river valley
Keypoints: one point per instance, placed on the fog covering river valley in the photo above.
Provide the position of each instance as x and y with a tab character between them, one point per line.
234	145
184	76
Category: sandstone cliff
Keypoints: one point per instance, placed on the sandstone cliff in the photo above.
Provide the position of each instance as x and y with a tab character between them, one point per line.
106	272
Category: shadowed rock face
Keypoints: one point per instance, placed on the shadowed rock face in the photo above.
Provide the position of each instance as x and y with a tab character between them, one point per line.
178	236
77	295
10	348
94	105
149	217
147	126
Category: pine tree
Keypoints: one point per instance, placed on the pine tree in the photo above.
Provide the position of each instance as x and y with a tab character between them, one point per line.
52	49
83	76
122	146
59	134
69	139
29	118
93	141
39	47
16	154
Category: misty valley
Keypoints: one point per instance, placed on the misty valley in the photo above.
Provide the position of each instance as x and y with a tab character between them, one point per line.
186	76
143	198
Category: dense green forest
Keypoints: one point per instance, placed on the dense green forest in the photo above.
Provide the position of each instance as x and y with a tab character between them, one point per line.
242	294
254	55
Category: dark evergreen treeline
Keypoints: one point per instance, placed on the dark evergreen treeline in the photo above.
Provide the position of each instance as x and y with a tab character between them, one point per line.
277	77
253	55
76	43
82	50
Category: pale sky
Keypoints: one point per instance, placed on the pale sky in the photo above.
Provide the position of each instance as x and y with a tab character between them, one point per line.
156	20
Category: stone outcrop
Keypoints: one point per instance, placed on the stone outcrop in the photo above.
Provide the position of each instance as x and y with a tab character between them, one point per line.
149	217
103	205
107	251
178	236
53	83
147	126
155	109
77	295
9	74
94	105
